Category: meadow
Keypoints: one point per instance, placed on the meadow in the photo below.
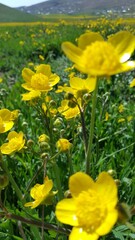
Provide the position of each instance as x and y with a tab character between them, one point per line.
51	131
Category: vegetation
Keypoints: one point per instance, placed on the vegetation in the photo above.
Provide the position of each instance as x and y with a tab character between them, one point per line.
8	14
47	147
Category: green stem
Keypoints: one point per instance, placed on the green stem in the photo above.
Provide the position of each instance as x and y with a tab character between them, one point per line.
12	181
91	134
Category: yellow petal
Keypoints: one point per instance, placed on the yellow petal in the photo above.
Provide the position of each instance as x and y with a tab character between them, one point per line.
66	212
132	84
79	234
7	126
54	79
90	83
5	114
77	83
48	186
107	189
108	223
30	95
128	66
88	38
124	43
44	69
27	74
71	51
80	182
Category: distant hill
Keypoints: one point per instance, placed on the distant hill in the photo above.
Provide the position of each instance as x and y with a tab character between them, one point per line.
80	6
8	14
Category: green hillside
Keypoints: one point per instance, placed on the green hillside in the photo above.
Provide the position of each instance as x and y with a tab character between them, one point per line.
8	14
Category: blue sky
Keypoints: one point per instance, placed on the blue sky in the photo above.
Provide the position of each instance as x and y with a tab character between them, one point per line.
16	3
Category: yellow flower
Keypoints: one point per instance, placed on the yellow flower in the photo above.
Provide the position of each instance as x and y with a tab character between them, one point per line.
42	194
132	84
106	116
97	57
129	118
79	87
121	108
15	144
42	80
63	144
1	80
41	57
7	118
121	120
92	209
67	111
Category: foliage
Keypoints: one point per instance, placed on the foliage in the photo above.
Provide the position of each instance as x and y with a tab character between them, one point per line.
43	125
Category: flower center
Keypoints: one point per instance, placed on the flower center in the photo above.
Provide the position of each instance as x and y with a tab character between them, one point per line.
100	58
90	210
40	82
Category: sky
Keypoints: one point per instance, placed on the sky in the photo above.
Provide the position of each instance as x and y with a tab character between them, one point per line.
19	3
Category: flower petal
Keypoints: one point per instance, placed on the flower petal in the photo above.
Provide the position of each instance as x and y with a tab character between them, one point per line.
71	51
79	234
44	69
88	38
80	182
77	83
27	74
90	83
107	189
108	223
65	212
124	43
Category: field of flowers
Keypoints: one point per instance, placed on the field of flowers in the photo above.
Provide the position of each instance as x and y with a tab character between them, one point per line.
67	130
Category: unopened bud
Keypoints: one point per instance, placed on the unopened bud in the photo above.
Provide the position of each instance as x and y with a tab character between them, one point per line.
44	145
44	156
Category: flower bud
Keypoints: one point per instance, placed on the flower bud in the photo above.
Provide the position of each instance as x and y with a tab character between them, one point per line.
44	156
124	213
44	145
69	96
30	143
71	104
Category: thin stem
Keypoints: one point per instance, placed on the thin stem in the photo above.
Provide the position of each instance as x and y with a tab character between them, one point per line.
43	207
35	222
91	134
83	129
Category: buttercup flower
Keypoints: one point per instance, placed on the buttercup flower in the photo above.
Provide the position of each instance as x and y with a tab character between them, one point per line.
7	118
79	87
42	80
92	209
67	111
63	144
121	108
97	57
15	144
42	194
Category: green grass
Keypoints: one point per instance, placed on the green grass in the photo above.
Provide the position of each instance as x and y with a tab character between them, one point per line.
8	14
113	145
